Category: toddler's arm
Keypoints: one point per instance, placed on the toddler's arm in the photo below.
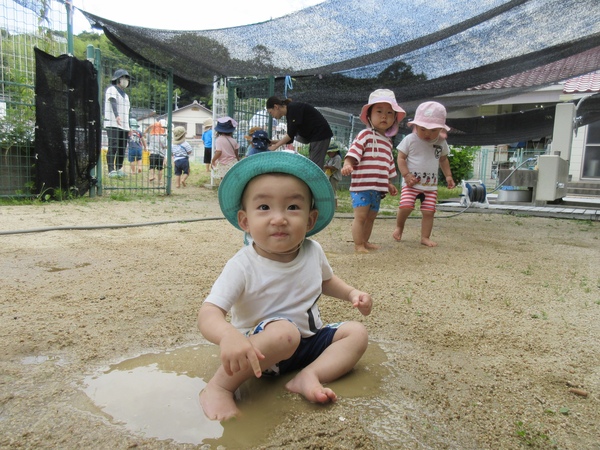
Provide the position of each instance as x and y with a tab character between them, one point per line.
336	287
409	178
445	166
349	163
237	352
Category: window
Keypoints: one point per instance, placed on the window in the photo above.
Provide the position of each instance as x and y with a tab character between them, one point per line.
591	154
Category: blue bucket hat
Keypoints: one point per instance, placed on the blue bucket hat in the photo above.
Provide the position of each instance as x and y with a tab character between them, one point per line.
260	140
235	180
225	125
119	73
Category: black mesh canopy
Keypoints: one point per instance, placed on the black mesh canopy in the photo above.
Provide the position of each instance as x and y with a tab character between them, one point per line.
338	51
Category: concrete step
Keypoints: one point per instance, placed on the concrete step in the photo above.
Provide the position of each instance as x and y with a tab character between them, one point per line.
585	188
583	191
584	184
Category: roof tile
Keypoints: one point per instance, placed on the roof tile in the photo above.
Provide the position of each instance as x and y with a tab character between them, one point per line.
587	62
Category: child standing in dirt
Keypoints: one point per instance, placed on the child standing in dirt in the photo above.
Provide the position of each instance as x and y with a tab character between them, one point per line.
271	286
370	161
157	147
135	147
420	155
226	148
333	167
181	151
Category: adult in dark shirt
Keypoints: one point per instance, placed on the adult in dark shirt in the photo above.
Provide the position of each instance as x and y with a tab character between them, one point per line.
305	124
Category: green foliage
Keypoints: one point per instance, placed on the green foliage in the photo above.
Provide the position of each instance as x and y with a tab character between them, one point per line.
148	90
533	438
461	163
17	128
98	40
400	73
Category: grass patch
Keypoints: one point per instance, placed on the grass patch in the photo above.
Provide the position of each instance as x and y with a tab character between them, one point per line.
533	438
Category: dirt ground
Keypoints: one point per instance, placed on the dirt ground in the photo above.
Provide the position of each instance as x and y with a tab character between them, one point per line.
492	339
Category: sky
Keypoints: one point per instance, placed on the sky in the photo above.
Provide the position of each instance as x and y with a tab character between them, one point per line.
186	14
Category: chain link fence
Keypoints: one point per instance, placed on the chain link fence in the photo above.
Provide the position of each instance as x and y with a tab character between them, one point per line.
24	25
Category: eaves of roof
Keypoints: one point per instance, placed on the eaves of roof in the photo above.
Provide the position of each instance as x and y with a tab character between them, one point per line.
569	69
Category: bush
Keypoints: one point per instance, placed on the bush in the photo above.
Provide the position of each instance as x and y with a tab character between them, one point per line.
461	163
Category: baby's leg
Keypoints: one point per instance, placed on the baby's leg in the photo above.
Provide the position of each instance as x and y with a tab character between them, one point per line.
427	228
401	217
368	229
217	397
358	228
277	342
349	344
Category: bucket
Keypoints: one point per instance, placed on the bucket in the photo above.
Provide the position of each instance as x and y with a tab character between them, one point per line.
520	195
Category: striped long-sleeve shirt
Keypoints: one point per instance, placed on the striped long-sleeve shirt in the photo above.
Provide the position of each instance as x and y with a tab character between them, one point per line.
375	167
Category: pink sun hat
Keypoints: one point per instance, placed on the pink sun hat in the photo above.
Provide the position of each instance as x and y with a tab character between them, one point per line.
383	96
430	115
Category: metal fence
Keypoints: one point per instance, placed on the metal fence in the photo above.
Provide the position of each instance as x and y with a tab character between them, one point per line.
38	24
43	24
150	95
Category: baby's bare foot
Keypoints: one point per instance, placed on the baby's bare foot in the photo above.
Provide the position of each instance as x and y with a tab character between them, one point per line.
361	249
310	387
370	246
218	403
397	234
428	242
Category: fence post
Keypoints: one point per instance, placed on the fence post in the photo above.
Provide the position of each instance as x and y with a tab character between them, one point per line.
70	46
94	56
169	168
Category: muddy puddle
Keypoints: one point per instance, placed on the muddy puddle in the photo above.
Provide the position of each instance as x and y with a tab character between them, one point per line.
156	395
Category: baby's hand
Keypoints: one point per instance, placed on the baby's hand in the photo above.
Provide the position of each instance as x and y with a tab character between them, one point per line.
362	301
347	169
238	354
410	180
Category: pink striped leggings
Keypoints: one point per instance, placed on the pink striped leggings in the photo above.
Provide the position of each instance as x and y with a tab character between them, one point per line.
409	197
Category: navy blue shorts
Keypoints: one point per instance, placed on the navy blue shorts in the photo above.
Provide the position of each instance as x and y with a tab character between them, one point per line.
182	166
309	349
134	154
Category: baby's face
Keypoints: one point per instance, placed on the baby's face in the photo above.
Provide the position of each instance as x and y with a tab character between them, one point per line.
427	134
382	117
276	212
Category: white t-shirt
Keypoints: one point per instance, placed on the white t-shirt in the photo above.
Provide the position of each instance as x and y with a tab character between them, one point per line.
254	288
110	120
423	160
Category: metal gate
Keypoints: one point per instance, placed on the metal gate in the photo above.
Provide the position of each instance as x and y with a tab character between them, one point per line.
150	95
246	103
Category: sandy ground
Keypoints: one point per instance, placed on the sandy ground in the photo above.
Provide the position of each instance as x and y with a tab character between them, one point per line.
486	336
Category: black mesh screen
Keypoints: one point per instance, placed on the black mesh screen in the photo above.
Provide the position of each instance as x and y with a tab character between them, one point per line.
68	128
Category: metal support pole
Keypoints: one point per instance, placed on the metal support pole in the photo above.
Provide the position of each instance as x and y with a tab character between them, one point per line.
70	46
169	168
